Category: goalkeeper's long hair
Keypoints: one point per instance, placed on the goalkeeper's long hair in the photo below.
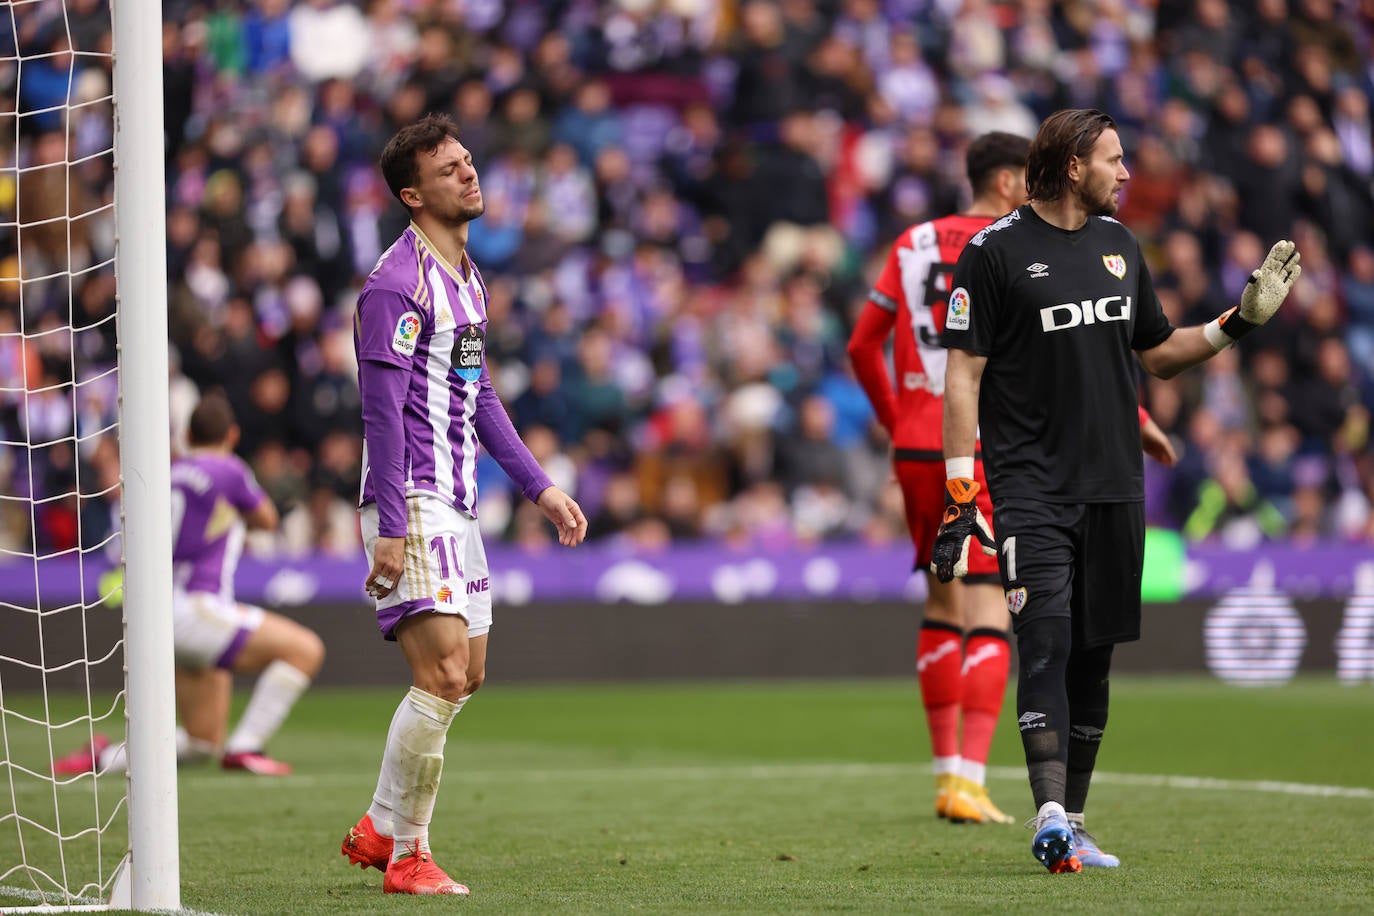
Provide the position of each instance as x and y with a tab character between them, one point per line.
1063	135
399	167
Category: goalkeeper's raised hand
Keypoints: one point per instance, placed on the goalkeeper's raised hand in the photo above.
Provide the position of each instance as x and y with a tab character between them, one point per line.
1264	292
962	523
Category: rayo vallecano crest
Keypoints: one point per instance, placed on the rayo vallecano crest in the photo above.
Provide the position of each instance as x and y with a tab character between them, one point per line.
1115	264
1016	600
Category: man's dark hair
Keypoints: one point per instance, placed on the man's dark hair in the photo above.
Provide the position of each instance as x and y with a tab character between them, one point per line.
399	167
991	152
211	420
1063	135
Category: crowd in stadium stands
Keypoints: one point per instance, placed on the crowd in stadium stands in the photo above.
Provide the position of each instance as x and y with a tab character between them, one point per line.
686	203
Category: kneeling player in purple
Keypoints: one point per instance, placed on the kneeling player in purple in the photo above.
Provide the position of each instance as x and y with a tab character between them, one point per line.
427	403
214	499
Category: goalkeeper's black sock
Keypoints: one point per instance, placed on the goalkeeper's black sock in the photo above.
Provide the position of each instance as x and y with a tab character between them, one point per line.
1048	777
1042	704
1087	682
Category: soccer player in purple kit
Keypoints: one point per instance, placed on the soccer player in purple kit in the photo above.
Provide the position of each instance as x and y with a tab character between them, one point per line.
215	498
427	403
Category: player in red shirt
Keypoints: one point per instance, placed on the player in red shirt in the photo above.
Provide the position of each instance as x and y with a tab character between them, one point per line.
962	655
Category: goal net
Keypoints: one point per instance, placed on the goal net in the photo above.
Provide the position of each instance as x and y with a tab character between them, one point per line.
84	486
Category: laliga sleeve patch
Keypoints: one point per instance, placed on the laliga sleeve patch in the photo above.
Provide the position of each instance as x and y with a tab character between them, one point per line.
407	334
956	319
467	353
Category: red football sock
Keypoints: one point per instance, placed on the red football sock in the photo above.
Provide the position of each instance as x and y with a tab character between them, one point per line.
937	670
986	660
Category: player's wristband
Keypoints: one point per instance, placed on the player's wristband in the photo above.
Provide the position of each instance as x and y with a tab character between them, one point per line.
1226	329
956	468
1143	415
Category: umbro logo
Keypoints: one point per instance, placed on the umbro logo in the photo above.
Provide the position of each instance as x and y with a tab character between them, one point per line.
1038	270
1031	720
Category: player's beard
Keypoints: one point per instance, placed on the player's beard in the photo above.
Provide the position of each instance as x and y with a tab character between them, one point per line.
466	213
1098	201
471	213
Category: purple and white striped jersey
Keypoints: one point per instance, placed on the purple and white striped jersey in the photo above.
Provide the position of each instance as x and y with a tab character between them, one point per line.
211	492
427	398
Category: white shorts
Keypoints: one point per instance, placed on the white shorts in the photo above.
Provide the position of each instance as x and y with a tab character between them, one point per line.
209	630
445	566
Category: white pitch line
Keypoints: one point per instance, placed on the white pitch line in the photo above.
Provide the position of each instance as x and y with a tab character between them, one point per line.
803	771
1209	783
217	782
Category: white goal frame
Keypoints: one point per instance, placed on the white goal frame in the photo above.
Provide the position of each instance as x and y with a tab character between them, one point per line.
154	864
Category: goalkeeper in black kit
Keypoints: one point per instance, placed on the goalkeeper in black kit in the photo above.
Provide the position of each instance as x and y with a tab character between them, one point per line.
1048	304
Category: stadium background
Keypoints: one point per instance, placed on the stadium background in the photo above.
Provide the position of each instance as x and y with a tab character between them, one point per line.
687	201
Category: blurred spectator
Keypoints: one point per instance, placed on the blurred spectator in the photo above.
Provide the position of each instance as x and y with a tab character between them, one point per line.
1268	183
620	508
329	38
1272	467
811	457
546	402
600	401
324	524
1230	508
1353	130
909	85
767	80
996	107
1357	287
1327	403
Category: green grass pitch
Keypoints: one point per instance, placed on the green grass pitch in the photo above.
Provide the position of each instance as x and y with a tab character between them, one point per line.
786	797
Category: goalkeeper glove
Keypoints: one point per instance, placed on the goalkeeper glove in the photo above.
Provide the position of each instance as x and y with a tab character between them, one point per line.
1264	293
962	523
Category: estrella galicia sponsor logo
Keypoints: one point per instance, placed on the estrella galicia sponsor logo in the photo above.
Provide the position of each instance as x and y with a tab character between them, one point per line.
407	334
1115	264
1031	720
467	353
1038	270
956	319
1016	599
1071	314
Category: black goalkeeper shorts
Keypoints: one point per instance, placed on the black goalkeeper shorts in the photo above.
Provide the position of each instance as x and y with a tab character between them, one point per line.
1078	560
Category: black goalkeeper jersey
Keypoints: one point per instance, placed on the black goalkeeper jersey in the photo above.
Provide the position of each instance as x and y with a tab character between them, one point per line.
1057	313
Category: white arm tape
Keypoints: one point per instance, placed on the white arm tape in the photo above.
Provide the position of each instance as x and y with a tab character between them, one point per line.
1218	338
959	467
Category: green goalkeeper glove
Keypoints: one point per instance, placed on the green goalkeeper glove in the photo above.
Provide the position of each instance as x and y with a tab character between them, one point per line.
1264	293
962	523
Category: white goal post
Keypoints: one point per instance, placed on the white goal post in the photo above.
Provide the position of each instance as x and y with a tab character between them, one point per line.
64	846
145	454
